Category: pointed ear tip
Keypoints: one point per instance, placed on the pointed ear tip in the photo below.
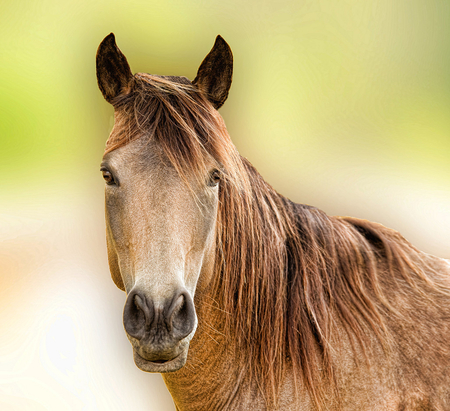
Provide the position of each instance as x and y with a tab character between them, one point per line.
222	43
107	43
109	39
220	39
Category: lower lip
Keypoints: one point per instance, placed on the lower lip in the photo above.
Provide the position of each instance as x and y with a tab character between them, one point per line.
167	366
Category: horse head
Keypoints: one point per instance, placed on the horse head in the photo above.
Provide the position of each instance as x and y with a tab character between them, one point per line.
162	175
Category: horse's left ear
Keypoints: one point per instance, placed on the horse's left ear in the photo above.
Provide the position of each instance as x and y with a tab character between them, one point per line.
215	73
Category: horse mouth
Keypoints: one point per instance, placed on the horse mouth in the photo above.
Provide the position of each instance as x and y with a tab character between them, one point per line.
160	365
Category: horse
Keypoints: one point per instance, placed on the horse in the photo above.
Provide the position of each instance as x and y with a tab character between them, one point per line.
241	298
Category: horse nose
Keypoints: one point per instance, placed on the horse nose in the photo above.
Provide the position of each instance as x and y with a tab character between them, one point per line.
171	321
181	316
137	314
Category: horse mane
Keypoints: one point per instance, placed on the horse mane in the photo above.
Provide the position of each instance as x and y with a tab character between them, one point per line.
285	273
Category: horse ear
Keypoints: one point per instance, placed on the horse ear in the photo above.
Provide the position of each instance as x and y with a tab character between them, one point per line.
215	73
114	76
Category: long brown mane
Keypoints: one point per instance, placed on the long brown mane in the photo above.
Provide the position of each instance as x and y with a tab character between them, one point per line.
285	272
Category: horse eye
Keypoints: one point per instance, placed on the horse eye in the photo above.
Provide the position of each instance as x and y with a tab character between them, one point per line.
107	176
214	178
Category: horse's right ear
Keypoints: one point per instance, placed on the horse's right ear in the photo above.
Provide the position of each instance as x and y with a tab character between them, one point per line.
114	76
215	73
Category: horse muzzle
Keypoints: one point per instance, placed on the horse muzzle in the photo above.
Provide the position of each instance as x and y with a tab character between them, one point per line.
159	332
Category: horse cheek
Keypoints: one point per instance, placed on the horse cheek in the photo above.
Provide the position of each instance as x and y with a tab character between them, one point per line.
113	262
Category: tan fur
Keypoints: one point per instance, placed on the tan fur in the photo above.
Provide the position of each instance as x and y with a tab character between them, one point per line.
296	310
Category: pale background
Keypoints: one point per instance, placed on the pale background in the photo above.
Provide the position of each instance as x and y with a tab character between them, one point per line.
344	105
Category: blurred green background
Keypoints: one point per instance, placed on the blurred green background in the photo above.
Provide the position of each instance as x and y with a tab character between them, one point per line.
344	105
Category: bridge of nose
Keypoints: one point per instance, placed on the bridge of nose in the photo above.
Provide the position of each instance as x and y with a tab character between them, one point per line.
157	247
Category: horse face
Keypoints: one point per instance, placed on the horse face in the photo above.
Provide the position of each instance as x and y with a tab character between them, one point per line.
160	227
160	237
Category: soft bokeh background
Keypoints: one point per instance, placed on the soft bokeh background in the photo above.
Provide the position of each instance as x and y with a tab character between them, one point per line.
344	105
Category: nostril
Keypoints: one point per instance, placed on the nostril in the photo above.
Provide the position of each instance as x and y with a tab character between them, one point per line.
182	317
179	314
139	303
136	315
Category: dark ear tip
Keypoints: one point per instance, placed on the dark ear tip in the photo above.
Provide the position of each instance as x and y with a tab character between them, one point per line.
110	37
109	40
221	42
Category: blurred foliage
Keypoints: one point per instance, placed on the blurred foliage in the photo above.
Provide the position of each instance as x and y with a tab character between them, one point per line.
332	78
326	94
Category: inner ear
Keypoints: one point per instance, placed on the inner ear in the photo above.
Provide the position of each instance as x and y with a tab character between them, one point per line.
114	75
215	73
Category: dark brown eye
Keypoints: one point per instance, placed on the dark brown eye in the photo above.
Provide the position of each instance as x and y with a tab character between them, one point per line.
107	176
214	178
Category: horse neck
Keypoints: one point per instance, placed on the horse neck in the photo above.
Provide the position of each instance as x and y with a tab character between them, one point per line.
211	378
